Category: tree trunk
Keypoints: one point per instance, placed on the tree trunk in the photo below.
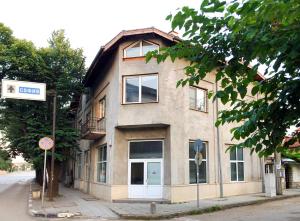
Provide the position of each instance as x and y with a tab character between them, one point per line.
57	167
39	176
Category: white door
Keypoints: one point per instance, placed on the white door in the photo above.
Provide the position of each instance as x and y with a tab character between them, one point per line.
145	176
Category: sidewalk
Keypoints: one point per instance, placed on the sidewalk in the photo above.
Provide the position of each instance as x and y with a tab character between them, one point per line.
76	203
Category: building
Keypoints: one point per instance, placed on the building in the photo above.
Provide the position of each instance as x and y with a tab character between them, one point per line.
292	167
138	129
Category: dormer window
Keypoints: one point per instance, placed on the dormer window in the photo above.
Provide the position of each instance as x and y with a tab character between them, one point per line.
139	49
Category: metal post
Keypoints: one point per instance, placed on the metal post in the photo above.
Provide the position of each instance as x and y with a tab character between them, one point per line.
44	178
53	148
197	184
219	149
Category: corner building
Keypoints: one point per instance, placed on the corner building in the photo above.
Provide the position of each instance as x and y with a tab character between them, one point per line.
137	128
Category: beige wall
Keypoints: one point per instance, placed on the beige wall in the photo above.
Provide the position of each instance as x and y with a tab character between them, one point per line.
185	124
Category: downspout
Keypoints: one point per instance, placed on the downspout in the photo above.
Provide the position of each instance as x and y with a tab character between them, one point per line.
90	145
262	168
219	147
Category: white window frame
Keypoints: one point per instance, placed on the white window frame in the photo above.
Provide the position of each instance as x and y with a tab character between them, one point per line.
236	166
140	88
99	161
205	99
203	160
102	110
141	48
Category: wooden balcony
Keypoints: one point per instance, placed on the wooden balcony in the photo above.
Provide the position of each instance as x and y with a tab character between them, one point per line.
93	129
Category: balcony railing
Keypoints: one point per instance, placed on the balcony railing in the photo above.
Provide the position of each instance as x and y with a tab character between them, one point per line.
93	128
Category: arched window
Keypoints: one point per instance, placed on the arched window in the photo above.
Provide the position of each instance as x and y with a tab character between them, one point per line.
139	49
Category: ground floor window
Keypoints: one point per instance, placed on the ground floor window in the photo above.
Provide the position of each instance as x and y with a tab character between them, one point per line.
193	167
79	165
102	164
237	164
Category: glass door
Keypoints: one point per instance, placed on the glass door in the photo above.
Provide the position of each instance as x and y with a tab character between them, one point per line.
145	167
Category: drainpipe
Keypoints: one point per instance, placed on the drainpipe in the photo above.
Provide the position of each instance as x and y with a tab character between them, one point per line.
262	172
219	148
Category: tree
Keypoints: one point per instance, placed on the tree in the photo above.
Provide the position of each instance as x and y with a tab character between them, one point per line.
228	37
5	161
25	122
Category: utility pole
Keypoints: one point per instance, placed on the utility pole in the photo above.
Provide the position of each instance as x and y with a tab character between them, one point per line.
53	148
277	173
219	148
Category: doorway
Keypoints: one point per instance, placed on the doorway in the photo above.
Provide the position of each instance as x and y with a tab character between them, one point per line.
145	169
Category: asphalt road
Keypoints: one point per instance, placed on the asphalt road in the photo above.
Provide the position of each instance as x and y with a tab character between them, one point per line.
282	210
14	190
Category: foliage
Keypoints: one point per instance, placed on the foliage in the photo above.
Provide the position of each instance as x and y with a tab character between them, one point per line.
292	154
228	37
24	122
5	161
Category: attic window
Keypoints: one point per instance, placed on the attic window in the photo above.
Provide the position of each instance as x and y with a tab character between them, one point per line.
139	49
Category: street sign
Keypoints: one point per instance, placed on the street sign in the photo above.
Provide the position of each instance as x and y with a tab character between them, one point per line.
23	90
198	158
46	143
198	145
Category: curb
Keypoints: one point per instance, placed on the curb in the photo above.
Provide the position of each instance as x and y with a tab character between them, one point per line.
43	214
210	209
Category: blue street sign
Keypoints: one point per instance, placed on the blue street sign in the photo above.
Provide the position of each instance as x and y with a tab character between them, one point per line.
29	90
198	145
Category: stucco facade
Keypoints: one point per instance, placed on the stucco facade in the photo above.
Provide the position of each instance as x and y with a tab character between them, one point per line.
170	120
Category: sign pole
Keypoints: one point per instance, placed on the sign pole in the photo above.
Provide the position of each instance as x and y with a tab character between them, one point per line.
45	144
197	165
44	178
198	147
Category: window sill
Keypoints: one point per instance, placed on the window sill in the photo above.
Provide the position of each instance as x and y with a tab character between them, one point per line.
139	58
206	112
154	102
237	181
195	184
100	183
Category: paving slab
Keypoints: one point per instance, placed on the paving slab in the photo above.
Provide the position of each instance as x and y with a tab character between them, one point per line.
72	203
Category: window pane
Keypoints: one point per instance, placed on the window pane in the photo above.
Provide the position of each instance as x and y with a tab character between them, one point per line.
193	172
153	173
103	153
233	171
201	99
149	88
240	154
133	51
101	172
233	154
192	98
102	108
241	171
137	173
148	47
202	172
132	89
145	150
192	152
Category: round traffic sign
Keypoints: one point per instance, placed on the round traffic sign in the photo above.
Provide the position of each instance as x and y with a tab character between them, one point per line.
198	158
46	143
198	145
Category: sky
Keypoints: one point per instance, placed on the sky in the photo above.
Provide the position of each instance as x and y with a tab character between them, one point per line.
88	24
